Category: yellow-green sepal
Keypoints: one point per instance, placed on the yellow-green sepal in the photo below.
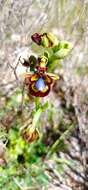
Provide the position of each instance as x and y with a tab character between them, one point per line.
52	38
44	41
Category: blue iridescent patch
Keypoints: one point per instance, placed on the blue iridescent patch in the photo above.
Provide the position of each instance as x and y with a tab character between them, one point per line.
40	85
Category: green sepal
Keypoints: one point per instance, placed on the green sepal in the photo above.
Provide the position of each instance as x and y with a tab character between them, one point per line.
53	39
44	41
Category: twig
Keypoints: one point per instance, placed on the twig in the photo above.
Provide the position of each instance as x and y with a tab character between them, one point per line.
22	100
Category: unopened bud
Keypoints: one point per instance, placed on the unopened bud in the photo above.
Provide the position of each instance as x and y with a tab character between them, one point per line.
36	38
45	39
30	134
62	49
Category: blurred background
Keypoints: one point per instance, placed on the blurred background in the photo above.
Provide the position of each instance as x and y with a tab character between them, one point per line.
68	102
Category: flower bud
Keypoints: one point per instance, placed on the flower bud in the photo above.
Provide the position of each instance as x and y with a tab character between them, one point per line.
36	38
48	40
45	39
53	39
62	49
30	134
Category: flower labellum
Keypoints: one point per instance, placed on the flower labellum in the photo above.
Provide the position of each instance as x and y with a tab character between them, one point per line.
40	85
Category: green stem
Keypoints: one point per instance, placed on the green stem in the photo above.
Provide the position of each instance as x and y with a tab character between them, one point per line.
37	103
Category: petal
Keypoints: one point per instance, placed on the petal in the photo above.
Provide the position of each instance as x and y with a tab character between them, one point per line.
48	79
36	38
34	77
53	76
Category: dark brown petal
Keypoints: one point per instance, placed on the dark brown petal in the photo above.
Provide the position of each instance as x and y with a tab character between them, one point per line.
36	38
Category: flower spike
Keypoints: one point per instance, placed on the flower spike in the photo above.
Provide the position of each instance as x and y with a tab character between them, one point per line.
39	81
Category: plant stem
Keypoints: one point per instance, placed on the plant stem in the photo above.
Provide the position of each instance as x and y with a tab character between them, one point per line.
37	103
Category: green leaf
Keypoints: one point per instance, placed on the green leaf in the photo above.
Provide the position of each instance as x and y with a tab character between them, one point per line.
42	179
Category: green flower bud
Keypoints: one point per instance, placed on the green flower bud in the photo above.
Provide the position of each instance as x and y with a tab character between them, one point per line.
53	39
62	49
48	40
